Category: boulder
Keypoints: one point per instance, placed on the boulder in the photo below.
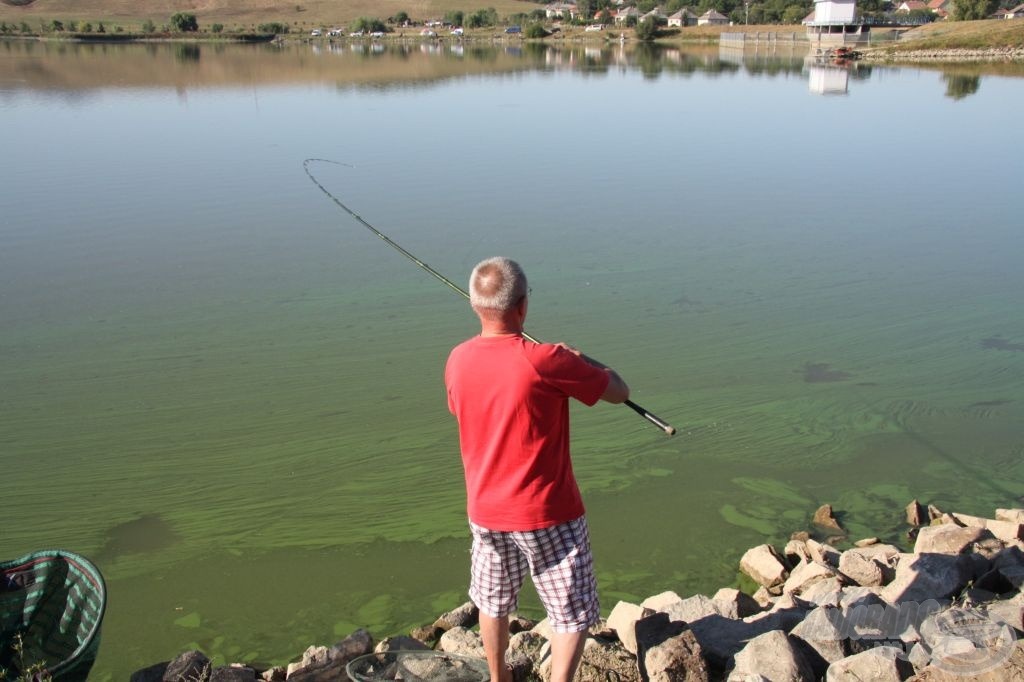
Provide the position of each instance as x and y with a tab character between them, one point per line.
773	656
399	643
796	552
805	575
428	634
623	618
934	513
917	514
357	644
826	592
1008	611
1011	670
694	608
735	604
659	601
188	666
819	639
232	673
275	674
460	640
764	565
601	661
880	664
920	577
859	569
153	673
667	650
524	650
966	643
823	553
948	538
465	616
824	517
1012	515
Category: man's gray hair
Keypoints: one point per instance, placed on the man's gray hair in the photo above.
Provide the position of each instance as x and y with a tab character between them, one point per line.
497	284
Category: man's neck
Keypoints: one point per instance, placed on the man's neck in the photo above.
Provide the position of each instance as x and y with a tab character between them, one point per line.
491	328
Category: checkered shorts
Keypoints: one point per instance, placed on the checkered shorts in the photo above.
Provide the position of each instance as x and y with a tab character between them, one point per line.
560	563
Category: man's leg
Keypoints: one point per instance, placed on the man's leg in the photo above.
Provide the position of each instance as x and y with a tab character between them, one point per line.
494	633
566	651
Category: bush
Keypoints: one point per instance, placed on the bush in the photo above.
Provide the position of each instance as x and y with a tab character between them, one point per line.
25	28
535	31
184	22
148	26
56	26
369	25
647	29
87	27
273	27
217	28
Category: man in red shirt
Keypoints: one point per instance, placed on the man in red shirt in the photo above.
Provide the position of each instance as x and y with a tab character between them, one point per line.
511	399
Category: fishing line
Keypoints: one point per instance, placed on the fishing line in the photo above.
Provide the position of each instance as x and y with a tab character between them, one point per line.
653	419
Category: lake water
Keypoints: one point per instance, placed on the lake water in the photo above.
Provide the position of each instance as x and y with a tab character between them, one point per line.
228	393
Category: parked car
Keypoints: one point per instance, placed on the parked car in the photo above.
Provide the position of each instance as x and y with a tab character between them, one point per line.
316	33
335	32
356	34
457	31
594	27
377	34
514	29
428	33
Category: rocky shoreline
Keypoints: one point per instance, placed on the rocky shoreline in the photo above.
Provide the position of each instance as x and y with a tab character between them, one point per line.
992	54
951	609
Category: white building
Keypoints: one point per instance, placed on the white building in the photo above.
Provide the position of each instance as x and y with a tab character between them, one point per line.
834	22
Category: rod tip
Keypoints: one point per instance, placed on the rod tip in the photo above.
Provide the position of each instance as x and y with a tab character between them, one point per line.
670	430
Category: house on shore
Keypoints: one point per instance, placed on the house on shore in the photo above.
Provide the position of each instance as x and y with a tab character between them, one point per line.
712	18
835	22
683	17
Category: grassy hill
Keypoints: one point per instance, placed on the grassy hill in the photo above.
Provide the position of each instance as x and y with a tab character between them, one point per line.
299	14
946	35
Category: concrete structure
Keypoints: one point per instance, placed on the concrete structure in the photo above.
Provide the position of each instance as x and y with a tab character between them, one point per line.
834	22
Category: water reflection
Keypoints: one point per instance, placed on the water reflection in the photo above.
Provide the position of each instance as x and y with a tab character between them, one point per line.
70	66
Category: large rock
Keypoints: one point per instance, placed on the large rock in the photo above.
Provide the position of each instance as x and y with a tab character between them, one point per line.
880	664
917	514
773	656
826	519
764	565
735	604
823	553
659	601
948	538
694	608
524	651
191	665
399	643
721	638
1012	515
826	592
465	616
1011	670
820	640
623	618
805	575
859	569
460	640
322	664
920	577
601	661
232	673
667	651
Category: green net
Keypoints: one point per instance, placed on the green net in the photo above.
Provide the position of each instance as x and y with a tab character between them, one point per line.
51	608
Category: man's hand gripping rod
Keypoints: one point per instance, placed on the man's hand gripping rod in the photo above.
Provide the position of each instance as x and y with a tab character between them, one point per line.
660	423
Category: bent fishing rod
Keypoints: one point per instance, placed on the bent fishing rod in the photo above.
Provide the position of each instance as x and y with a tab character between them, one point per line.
653	419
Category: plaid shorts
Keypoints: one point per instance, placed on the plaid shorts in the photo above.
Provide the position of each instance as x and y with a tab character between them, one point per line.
560	563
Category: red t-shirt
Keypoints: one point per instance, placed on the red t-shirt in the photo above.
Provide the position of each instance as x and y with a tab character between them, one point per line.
511	399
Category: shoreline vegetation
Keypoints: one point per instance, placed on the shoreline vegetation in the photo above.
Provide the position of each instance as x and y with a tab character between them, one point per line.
118	21
950	607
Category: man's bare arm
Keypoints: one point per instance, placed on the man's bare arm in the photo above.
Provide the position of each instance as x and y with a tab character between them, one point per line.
617	391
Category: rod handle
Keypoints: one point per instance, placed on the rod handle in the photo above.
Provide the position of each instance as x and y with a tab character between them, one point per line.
654	419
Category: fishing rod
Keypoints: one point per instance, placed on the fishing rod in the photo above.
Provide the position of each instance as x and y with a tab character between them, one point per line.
652	418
